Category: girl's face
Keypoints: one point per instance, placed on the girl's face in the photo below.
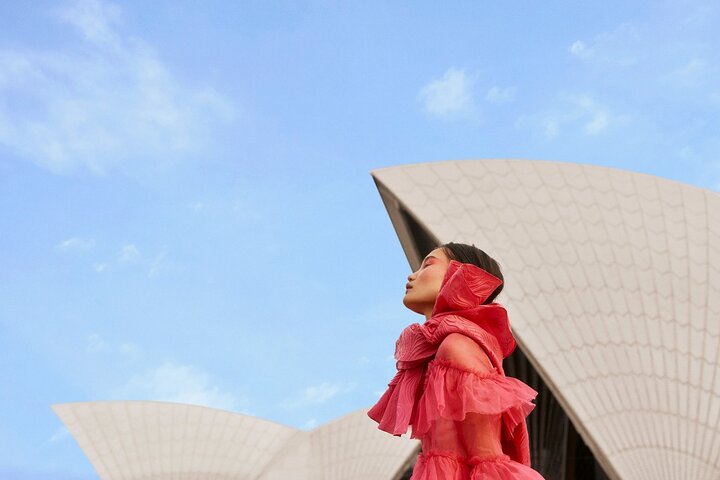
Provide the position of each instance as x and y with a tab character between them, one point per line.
424	283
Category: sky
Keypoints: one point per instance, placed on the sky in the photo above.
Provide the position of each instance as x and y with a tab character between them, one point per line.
187	208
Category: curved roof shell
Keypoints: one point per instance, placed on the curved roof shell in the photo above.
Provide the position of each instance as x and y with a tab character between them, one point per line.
163	440
613	288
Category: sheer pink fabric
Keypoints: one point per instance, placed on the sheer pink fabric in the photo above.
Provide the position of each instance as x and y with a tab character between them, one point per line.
464	407
450	387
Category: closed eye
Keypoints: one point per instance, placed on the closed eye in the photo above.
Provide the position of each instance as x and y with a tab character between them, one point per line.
427	260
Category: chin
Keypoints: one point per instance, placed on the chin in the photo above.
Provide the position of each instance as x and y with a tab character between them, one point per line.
414	306
408	303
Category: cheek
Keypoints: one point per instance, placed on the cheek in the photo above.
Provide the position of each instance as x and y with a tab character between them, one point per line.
436	280
431	284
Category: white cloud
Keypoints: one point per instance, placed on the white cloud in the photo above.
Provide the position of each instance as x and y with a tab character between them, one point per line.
500	95
99	267
579	112
694	72
75	244
95	343
129	350
579	49
94	19
687	152
449	97
595	118
159	264
60	434
310	424
319	394
107	104
549	126
128	253
179	383
610	48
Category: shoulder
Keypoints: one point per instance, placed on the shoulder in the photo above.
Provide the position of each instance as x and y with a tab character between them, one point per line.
462	351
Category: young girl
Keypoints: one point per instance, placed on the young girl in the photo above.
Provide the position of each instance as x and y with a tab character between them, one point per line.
450	386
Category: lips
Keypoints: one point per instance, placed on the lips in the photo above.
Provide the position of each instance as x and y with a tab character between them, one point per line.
408	286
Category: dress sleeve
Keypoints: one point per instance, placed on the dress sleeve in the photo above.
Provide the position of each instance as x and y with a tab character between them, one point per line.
466	397
461	380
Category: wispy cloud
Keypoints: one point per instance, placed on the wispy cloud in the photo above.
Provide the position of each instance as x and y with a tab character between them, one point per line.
610	48
580	49
75	244
129	350
129	253
60	434
500	95
449	97
95	343
577	112
99	267
160	264
179	383
695	72
108	104
594	117
310	424
318	394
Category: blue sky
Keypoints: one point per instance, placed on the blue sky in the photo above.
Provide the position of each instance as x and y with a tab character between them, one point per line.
188	212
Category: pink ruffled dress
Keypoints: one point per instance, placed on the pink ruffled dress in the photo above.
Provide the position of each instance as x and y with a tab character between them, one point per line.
451	389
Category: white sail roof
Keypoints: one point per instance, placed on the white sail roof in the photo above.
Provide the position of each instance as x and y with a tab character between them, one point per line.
163	440
613	288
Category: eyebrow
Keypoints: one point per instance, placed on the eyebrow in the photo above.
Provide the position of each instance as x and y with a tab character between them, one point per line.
428	258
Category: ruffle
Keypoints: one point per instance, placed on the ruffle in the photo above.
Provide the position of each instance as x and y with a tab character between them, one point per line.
501	468
449	466
440	466
452	392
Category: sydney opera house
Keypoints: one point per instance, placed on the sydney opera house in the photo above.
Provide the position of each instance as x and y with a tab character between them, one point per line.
162	440
613	290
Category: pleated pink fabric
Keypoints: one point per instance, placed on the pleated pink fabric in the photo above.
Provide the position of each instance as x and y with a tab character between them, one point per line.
451	389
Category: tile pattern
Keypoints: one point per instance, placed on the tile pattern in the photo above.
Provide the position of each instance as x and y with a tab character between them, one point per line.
172	441
613	290
353	447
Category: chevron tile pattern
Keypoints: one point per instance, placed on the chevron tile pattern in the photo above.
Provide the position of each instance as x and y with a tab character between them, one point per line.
613	290
171	441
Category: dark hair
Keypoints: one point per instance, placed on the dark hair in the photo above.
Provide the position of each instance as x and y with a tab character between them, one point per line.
465	253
